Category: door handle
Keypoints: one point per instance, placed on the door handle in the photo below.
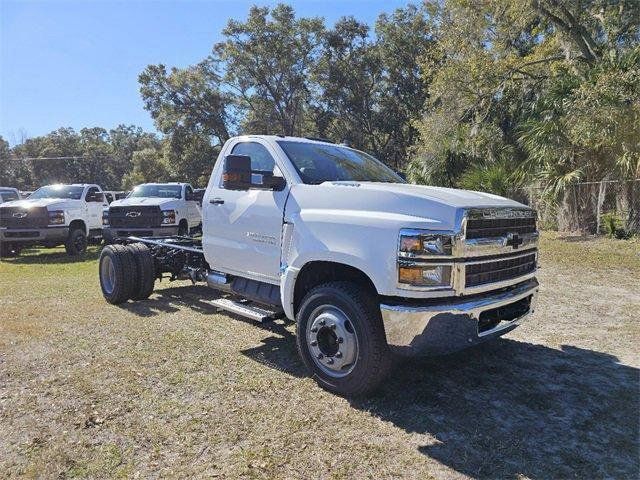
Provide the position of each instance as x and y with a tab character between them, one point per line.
216	201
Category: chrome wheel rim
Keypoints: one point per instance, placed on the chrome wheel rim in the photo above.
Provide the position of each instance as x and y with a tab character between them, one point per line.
332	341
108	275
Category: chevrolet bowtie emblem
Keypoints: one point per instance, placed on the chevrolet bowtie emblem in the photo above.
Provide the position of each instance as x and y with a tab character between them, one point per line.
514	240
133	214
19	214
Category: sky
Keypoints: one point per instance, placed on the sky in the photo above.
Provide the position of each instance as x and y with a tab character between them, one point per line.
75	63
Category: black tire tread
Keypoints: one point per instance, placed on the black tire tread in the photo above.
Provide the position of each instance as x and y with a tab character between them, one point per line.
145	268
380	360
70	246
126	273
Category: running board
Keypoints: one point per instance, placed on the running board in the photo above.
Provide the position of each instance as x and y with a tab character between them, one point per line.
248	310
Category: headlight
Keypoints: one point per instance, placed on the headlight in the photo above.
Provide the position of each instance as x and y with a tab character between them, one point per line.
56	217
168	216
419	243
425	275
105	218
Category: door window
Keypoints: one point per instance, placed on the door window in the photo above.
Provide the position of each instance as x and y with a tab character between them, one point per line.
261	159
93	195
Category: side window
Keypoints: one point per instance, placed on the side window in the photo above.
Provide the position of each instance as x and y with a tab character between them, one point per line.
91	195
261	159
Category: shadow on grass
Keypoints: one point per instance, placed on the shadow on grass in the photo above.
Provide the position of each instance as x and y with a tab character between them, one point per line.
509	409
505	409
42	256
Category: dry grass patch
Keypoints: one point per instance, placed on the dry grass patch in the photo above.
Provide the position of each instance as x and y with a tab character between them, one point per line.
171	388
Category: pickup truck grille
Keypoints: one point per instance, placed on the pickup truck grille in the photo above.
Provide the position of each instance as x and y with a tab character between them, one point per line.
19	218
499	270
498	223
135	217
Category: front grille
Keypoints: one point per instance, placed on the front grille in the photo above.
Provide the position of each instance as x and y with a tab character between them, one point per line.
148	217
491	224
499	270
24	218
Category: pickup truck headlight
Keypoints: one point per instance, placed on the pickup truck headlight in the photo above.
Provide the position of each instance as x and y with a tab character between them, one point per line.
105	218
56	217
425	275
168	217
415	243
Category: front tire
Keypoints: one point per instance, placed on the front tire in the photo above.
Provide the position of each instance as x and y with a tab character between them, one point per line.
76	243
341	338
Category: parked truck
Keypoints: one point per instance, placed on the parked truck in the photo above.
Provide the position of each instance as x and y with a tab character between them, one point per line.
69	215
8	194
368	266
154	210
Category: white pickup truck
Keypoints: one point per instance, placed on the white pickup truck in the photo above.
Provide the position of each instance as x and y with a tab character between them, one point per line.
154	210
8	194
53	215
368	266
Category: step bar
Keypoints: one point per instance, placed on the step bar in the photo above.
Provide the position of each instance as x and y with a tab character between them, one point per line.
247	309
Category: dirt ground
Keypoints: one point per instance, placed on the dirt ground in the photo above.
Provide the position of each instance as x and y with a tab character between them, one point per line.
170	388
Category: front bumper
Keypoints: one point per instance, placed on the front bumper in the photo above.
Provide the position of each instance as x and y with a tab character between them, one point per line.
444	327
111	233
34	236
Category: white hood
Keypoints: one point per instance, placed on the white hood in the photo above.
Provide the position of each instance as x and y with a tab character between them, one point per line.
138	201
50	203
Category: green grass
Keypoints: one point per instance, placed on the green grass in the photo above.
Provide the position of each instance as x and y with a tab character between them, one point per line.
169	387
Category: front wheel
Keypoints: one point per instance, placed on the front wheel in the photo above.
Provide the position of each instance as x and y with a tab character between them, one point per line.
341	338
76	243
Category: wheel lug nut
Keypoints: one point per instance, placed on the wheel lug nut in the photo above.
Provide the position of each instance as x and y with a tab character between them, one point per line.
314	330
330	361
339	355
320	356
322	322
314	343
340	339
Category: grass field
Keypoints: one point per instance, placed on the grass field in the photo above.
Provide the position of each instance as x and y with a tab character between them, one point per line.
170	388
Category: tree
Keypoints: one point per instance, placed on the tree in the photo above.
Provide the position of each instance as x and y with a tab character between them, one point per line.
539	90
267	61
148	166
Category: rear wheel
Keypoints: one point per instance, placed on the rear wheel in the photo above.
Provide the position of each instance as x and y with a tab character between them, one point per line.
8	250
183	229
76	243
118	273
341	338
145	270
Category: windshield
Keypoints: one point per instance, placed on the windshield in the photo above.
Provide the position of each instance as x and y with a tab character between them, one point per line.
159	191
317	163
58	191
8	196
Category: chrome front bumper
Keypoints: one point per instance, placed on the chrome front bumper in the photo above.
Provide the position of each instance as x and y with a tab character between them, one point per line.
435	329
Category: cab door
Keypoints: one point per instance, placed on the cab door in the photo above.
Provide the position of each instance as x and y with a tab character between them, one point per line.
94	205
243	229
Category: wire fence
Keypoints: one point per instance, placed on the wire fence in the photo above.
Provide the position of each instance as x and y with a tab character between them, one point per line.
608	207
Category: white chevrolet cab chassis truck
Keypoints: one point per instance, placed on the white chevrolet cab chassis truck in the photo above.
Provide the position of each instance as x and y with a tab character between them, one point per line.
53	215
368	266
153	210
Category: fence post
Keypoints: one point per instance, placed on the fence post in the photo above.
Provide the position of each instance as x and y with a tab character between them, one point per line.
601	194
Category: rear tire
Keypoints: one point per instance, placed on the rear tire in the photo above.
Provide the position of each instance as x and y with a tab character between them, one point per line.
118	274
347	353
145	270
76	243
9	250
183	229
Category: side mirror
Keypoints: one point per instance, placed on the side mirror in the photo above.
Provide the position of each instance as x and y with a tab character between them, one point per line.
97	197
237	175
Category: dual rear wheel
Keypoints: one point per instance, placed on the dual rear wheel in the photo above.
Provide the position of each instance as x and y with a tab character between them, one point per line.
127	272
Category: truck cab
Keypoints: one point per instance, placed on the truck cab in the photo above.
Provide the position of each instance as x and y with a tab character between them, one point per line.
8	194
53	215
368	266
154	210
